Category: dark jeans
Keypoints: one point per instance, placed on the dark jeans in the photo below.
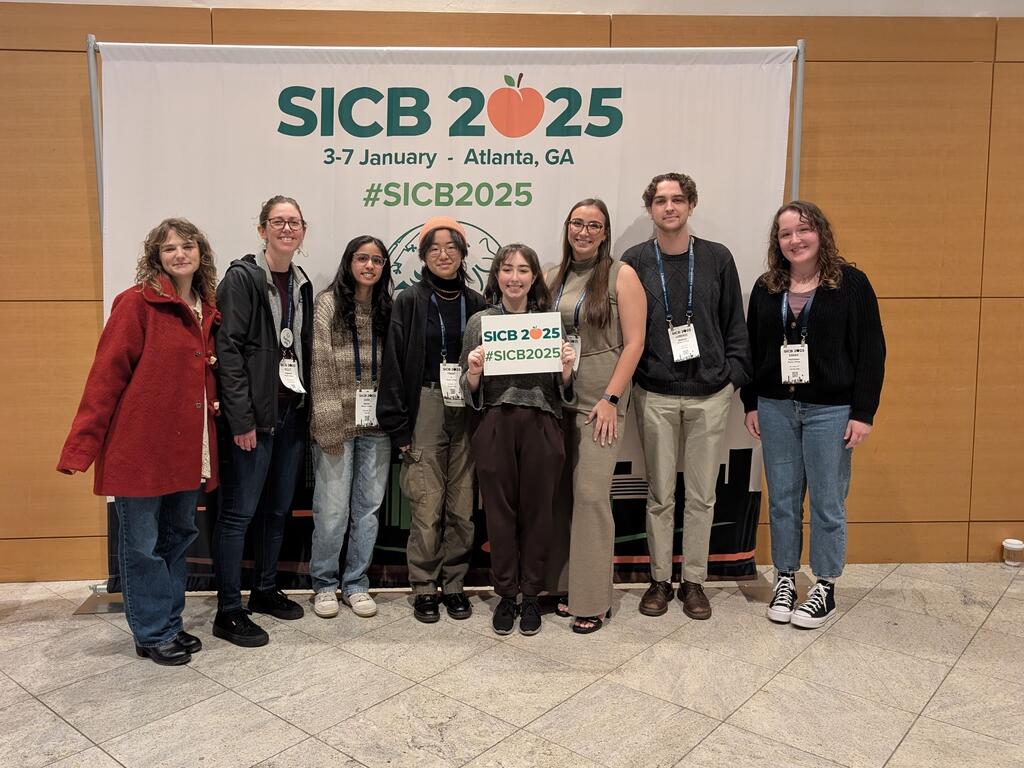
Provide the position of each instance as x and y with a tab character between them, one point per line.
154	533
256	484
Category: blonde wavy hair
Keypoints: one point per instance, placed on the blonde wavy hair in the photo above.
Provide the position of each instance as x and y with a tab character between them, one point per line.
830	263
148	270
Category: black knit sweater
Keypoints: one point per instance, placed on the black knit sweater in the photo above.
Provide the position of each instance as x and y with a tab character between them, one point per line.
845	343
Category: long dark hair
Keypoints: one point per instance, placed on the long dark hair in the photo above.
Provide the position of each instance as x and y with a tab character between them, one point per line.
343	288
460	243
539	298
597	307
830	263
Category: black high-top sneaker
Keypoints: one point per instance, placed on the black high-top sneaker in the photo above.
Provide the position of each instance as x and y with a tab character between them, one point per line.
819	607
783	602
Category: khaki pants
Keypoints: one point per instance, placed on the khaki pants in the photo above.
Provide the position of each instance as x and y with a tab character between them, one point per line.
437	479
698	425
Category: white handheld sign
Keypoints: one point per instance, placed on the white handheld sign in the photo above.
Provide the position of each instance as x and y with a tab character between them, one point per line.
526	343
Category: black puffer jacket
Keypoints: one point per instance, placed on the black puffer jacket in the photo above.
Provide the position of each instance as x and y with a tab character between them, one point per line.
249	348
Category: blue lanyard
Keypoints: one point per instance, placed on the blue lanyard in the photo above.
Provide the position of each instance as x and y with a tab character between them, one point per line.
803	317
579	303
291	303
664	285
440	321
373	356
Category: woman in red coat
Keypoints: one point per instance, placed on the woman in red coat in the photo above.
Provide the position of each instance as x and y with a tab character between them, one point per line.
146	419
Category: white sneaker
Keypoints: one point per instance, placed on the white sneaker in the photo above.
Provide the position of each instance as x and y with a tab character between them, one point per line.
325	604
361	604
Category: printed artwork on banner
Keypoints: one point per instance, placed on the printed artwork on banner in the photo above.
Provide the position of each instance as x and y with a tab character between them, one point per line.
377	141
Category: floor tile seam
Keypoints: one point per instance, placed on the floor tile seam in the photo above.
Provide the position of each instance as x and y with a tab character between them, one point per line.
591	684
1013	744
870	645
943	583
997	593
867	599
857	696
662	698
905	653
308	737
89	676
234	688
72	727
734	658
562	746
785	743
318	734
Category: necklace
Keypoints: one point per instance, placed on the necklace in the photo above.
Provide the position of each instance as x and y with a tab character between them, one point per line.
447	295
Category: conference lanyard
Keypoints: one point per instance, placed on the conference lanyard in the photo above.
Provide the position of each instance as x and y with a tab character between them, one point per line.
802	318
579	303
440	321
664	284
286	334
373	356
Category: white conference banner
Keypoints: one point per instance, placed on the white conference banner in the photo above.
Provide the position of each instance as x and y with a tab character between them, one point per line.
377	140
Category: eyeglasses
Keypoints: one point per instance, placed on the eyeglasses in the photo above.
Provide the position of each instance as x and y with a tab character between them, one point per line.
450	250
362	258
279	224
592	227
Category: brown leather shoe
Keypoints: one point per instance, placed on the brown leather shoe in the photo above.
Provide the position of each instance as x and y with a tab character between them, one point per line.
695	602
655	599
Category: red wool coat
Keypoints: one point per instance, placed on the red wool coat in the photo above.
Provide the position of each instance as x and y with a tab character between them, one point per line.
141	415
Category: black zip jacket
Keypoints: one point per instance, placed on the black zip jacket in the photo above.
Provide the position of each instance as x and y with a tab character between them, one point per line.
249	347
401	372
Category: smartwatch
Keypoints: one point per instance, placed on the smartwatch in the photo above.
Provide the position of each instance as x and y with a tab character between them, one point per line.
613	399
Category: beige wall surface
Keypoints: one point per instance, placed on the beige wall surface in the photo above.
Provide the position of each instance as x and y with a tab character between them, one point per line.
912	143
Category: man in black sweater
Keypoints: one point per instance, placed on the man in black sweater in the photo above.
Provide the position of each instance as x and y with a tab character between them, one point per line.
695	356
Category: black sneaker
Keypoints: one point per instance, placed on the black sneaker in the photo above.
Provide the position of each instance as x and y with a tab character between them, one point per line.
236	627
504	618
275	603
529	616
783	602
819	607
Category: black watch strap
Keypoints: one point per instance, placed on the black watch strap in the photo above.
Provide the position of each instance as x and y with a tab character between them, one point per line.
613	399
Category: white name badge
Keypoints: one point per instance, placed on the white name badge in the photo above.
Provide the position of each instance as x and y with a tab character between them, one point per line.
796	367
451	391
683	339
574	341
289	372
366	407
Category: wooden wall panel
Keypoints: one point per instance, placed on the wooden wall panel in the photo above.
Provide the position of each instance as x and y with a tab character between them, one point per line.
896	154
293	27
50	346
1010	40
985	539
887	543
62	559
1004	225
916	466
64	26
829	38
999	419
48	177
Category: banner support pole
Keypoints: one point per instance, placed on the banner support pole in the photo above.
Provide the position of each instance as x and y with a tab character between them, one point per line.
97	138
798	117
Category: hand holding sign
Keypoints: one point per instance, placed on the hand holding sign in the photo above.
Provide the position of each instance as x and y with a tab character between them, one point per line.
568	361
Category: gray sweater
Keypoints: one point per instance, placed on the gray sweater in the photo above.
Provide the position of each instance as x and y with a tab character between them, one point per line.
528	390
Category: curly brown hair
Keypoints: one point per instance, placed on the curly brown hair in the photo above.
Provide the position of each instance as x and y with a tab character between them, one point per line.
148	270
686	184
830	263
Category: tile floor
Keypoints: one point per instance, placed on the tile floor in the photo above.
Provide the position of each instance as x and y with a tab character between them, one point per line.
925	667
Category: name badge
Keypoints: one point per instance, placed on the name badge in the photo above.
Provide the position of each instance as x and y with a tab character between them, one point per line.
683	339
451	391
366	408
289	373
574	341
796	367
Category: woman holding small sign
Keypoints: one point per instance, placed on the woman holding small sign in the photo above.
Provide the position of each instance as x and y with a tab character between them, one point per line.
420	405
819	359
518	446
605	309
351	453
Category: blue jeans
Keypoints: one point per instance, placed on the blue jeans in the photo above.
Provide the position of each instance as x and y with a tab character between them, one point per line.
256	484
348	486
154	533
804	451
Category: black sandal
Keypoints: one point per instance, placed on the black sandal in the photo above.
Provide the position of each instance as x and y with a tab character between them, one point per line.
596	622
559	610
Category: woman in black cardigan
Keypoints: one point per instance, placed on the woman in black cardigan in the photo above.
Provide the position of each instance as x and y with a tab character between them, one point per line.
420	405
819	360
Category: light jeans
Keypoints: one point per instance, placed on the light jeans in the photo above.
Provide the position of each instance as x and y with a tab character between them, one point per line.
804	451
349	487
